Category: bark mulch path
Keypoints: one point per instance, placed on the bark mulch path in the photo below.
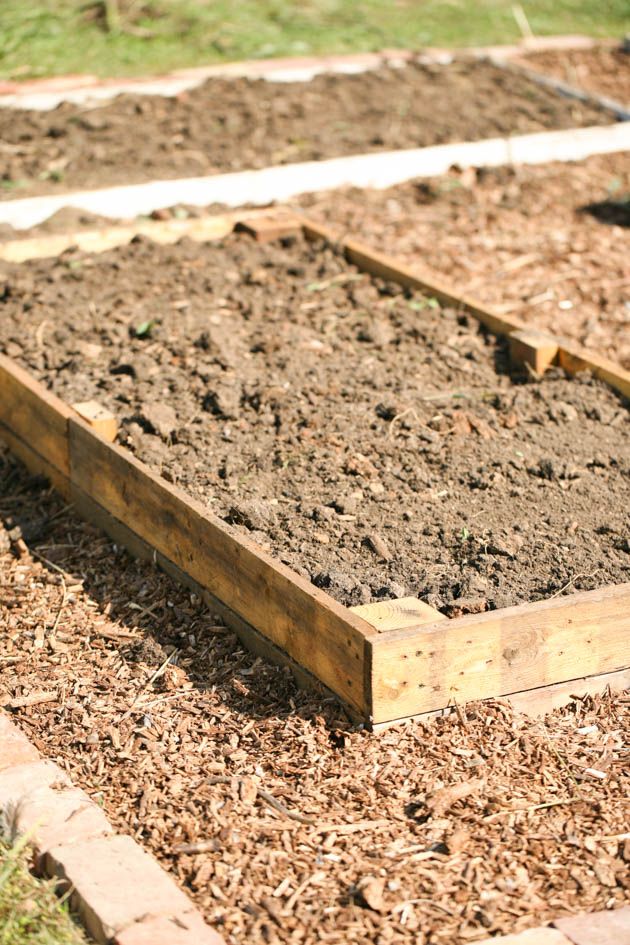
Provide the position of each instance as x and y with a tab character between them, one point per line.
236	124
603	70
284	822
548	244
373	441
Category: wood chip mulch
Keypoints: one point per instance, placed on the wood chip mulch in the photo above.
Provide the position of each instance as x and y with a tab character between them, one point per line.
284	821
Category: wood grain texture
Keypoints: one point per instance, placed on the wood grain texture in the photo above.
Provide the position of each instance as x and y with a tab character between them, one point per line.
574	359
534	348
396	614
33	415
321	635
494	654
537	702
99	418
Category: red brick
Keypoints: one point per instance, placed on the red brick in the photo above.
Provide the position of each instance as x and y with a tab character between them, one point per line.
115	884
15	748
187	930
40	800
597	928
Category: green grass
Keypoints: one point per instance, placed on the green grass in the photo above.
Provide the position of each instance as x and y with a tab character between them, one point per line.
30	912
52	37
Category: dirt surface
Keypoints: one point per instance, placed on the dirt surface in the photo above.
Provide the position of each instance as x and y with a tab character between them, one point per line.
603	70
435	834
370	440
547	244
236	124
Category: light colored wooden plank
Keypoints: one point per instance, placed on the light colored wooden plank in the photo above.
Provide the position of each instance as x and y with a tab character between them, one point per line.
313	629
397	614
34	462
534	348
99	418
103	238
537	702
608	927
33	415
501	652
267	229
575	359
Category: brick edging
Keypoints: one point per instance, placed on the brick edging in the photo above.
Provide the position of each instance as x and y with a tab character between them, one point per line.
120	893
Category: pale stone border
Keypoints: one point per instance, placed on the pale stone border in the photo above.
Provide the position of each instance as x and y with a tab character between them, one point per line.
282	182
609	927
120	893
44	94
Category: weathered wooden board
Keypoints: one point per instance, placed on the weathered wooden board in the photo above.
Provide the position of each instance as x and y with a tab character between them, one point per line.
574	359
377	264
537	702
501	652
398	613
36	417
320	634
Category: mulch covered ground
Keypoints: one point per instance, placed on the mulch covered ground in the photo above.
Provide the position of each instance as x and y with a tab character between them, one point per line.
548	244
284	822
236	124
604	70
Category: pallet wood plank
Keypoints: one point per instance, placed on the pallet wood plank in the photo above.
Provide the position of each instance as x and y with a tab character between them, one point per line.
320	634
99	418
397	614
574	359
501	652
34	415
534	348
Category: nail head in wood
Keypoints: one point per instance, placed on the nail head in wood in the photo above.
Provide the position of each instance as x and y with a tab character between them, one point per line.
533	348
99	418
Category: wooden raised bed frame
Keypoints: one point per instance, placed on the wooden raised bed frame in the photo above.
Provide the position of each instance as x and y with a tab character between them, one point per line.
386	662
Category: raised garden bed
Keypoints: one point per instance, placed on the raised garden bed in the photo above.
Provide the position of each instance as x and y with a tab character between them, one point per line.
237	124
387	851
370	405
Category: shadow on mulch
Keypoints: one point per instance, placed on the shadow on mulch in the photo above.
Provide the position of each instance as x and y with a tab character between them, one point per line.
612	212
155	615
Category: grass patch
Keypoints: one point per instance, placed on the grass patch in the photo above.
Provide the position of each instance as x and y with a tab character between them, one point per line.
49	37
30	912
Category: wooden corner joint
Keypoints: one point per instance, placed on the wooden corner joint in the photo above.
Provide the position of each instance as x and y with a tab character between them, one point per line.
264	229
99	418
533	348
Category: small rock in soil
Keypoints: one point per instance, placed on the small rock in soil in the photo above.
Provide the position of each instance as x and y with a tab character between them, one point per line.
161	418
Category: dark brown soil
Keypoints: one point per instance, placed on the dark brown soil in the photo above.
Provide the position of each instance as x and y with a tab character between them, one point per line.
603	70
374	442
238	124
533	837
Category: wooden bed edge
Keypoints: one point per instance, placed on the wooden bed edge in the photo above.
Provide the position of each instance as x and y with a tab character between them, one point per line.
424	669
534	702
248	635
